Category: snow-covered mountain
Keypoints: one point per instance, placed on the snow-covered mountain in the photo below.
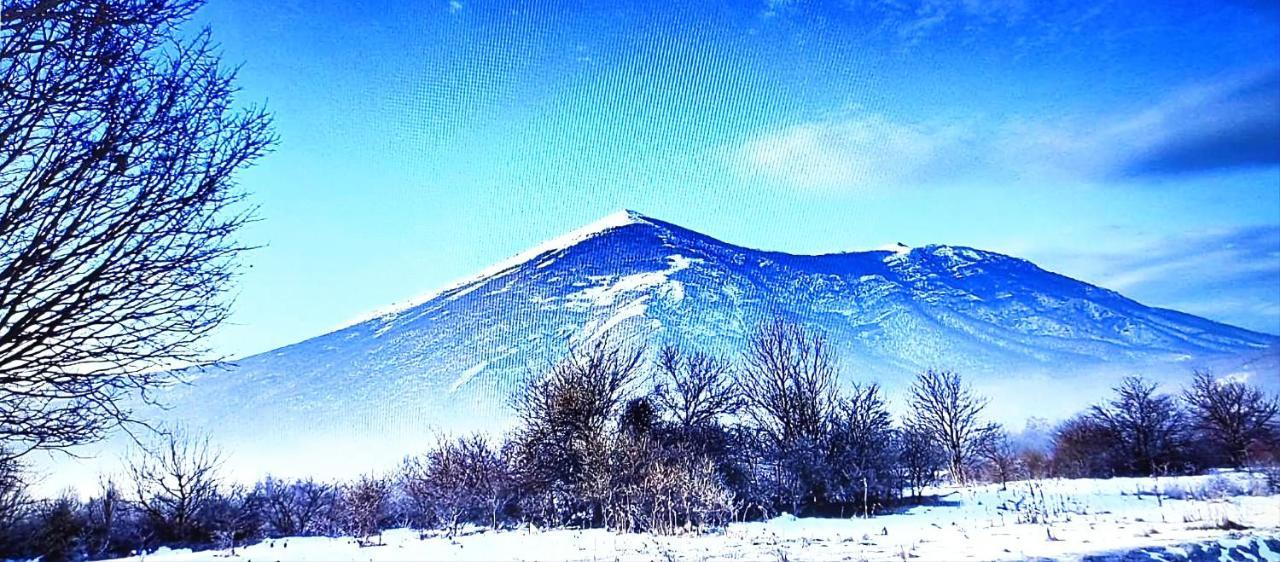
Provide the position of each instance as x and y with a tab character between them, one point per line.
450	360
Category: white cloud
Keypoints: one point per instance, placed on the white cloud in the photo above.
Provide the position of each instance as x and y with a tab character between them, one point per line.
850	153
914	20
1231	122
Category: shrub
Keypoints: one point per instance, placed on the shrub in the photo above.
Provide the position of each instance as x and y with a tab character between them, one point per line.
459	481
1084	448
365	508
298	508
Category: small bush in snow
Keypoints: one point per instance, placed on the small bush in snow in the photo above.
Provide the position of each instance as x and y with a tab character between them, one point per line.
365	507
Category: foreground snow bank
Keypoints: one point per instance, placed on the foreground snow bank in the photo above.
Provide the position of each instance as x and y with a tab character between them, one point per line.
1185	518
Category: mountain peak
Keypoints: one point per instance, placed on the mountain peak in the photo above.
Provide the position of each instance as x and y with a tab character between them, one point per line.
621	217
616	219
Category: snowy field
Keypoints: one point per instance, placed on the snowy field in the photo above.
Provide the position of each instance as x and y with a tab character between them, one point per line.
1043	519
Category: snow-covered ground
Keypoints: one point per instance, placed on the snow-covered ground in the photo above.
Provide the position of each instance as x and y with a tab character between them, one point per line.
1045	519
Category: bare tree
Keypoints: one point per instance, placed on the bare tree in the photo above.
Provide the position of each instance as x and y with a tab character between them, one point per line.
788	383
235	517
15	502
949	411
1231	414
919	458
365	503
998	456
695	389
1083	447
1148	428
568	420
118	146
175	484
103	513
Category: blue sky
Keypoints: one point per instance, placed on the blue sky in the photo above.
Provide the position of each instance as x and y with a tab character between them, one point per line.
1128	144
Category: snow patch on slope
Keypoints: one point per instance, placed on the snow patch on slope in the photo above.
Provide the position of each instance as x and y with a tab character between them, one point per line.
596	328
467	375
613	290
609	292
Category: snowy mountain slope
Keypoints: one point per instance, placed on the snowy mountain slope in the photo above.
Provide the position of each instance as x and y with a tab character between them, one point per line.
451	359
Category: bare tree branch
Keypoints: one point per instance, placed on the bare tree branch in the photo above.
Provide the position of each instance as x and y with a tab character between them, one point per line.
118	145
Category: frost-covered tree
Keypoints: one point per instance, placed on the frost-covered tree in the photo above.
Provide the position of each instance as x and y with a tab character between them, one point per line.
458	481
1232	415
864	451
663	487
365	506
235	517
948	409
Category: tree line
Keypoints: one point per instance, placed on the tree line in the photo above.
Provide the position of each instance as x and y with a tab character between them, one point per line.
687	441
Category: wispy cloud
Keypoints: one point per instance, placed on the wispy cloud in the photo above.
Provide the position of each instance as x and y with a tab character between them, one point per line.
1230	122
1226	125
853	152
1028	22
916	19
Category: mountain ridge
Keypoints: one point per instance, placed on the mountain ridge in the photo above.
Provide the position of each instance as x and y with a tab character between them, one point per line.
928	259
627	217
